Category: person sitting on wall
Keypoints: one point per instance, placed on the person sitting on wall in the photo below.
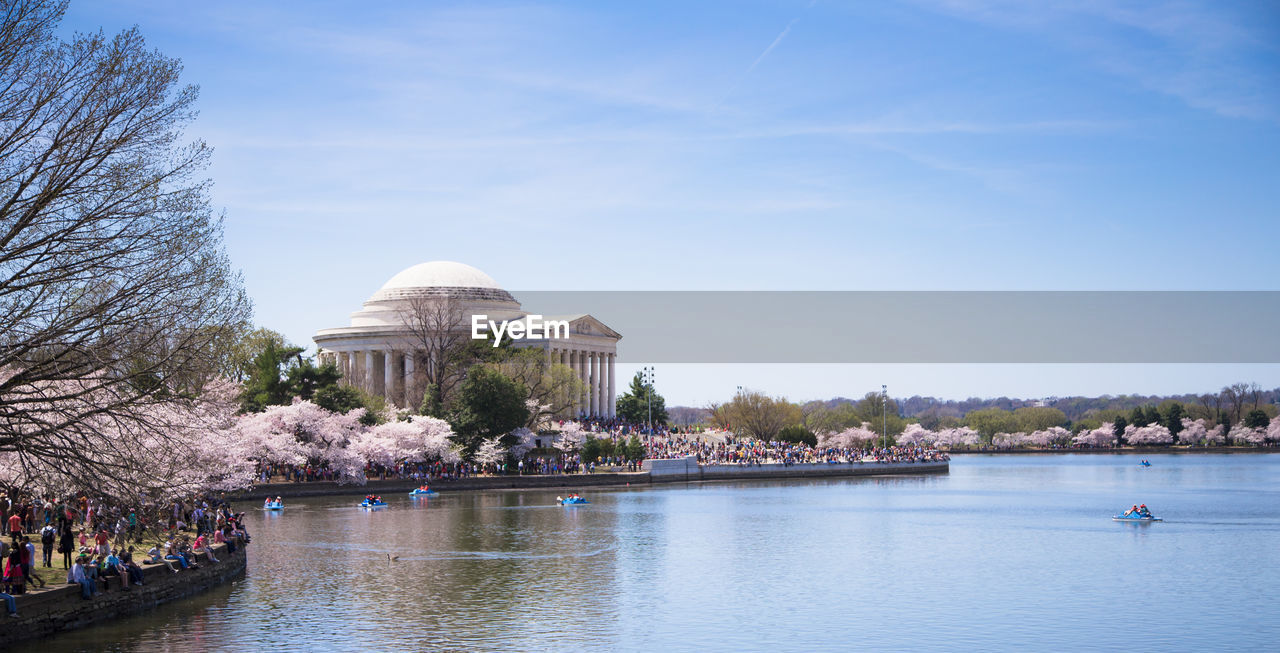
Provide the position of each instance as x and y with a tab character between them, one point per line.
171	553
77	575
134	571
113	567
90	567
155	557
11	602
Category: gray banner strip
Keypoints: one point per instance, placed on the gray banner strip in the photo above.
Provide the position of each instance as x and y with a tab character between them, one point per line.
930	326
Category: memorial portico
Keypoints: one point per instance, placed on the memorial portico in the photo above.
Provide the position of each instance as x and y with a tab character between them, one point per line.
382	351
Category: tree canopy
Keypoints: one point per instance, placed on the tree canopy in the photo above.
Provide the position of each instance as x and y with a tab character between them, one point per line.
116	295
489	405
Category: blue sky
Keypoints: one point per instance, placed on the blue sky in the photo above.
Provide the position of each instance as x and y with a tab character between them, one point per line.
742	145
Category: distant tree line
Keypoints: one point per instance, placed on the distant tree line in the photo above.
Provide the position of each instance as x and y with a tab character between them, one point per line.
756	414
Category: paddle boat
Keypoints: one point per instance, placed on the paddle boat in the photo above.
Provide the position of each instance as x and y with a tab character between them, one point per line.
373	502
572	500
1136	519
1145	463
1137	515
273	505
423	492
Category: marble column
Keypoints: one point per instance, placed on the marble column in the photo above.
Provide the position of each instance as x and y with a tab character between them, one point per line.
357	368
580	367
368	375
593	389
388	376
408	381
613	393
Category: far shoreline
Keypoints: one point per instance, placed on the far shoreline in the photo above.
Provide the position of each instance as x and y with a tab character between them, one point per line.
1127	450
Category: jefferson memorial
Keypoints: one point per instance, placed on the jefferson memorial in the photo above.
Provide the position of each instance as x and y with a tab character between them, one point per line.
384	344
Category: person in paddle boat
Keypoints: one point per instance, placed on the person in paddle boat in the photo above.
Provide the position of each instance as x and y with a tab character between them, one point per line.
1131	511
1142	510
267	503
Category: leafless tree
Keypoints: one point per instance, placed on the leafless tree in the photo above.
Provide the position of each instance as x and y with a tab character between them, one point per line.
761	416
444	350
114	283
718	414
1213	404
552	387
1236	395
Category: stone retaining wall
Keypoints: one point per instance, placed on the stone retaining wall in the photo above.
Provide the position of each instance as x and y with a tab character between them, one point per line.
43	613
654	471
392	486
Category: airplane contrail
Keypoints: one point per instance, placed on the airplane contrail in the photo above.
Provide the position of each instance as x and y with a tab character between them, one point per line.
773	45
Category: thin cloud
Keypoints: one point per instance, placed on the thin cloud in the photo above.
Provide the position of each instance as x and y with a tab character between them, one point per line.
1196	53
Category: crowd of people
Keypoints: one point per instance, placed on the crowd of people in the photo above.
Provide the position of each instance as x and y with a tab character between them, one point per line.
731	450
96	539
710	447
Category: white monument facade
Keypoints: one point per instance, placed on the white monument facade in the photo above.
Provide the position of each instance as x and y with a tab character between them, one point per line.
384	345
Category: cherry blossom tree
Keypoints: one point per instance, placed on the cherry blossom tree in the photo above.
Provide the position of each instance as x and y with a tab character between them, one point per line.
570	437
855	437
525	440
1008	440
1273	430
1048	437
540	415
1193	431
491	452
1243	435
958	437
117	299
916	435
1215	435
1151	434
167	449
1101	437
304	433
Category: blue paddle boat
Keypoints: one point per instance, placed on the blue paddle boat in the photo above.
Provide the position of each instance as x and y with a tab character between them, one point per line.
1137	518
273	505
373	502
1145	463
419	492
573	501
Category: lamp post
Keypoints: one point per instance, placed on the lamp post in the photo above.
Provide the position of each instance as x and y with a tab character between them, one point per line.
647	375
884	416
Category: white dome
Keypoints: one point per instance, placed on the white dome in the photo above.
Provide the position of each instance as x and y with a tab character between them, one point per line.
442	279
440	274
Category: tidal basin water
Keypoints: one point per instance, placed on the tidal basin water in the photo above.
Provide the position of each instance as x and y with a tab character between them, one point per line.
1007	552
